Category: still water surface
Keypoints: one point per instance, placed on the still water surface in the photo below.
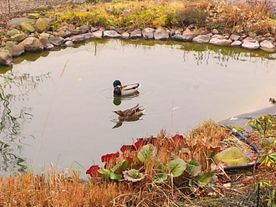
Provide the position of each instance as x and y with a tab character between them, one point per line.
57	107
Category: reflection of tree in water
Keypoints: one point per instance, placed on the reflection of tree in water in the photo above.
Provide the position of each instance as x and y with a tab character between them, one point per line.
14	88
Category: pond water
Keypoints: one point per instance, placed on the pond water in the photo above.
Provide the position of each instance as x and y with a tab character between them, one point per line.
57	108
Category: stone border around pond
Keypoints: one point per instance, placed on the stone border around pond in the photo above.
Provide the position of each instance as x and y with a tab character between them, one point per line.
19	42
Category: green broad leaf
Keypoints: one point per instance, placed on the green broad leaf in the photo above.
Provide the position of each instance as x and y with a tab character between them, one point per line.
160	177
120	166
104	172
176	167
193	168
115	176
146	153
204	179
133	175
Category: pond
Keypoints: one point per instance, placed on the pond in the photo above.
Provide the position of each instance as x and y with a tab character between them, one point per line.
57	108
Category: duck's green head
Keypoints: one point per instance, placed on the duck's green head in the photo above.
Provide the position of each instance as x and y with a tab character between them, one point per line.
116	83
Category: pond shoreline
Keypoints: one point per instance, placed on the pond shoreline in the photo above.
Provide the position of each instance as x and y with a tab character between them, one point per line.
49	40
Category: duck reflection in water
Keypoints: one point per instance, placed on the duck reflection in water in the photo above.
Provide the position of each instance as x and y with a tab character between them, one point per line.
129	115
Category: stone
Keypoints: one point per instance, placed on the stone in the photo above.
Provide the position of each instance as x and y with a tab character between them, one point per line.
188	35
111	34
161	34
98	34
231	156
49	46
44	39
56	40
12	32
267	46
81	30
250	43
33	15
235	37
27	27
94	29
202	38
178	37
252	34
15	22
215	31
19	37
14	49
136	34
42	25
5	57
236	43
178	32
32	44
220	42
148	33
81	37
125	35
64	33
69	43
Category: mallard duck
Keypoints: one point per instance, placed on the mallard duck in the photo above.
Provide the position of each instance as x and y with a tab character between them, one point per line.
132	114
126	90
272	100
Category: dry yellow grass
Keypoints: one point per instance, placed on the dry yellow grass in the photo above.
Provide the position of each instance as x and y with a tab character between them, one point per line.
56	190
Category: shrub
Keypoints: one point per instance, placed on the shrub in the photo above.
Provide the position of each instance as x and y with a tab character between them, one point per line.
191	15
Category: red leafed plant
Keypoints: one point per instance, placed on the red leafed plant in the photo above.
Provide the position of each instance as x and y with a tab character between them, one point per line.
93	171
109	157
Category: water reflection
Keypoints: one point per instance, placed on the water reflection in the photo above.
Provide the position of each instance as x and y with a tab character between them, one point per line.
203	53
14	88
129	115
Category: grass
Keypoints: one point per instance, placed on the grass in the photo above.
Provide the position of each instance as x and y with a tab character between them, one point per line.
130	15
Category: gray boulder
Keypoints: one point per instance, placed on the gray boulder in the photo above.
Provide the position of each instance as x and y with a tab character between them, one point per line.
148	33
202	38
235	37
111	34
17	21
12	32
81	37
44	39
5	57
125	35
69	43
18	37
42	25
81	30
188	35
14	49
250	43
236	43
178	37
56	40
98	34
27	27
32	44
220	41
161	34
136	34
267	46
